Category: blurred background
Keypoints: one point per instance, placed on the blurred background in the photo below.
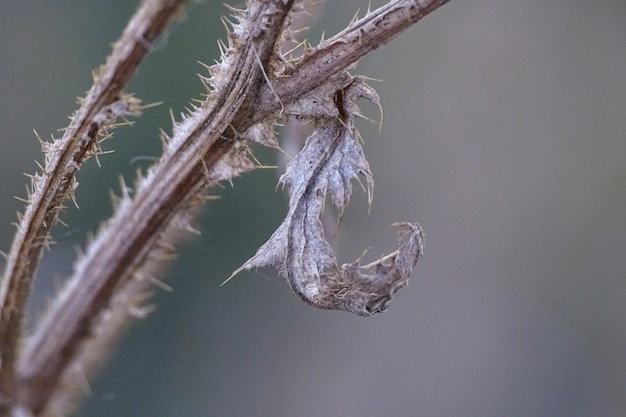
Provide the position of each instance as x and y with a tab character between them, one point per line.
504	135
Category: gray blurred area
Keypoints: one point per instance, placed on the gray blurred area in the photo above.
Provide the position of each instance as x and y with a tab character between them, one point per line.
504	135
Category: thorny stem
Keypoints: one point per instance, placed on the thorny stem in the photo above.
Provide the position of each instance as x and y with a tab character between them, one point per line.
170	188
135	231
103	104
363	36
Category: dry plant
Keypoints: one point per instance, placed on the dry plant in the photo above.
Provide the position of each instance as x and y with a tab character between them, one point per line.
254	85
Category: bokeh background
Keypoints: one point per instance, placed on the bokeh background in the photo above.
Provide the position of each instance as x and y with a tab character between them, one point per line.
504	135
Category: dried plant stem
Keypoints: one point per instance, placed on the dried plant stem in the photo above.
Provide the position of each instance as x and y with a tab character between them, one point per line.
204	149
101	107
361	37
126	243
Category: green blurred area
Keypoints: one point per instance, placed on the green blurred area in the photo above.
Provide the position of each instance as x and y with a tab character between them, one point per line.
504	135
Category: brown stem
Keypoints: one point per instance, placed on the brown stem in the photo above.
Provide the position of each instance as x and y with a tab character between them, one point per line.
202	151
363	36
128	240
104	103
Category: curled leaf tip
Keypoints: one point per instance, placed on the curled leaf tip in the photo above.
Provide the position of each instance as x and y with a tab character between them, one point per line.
368	289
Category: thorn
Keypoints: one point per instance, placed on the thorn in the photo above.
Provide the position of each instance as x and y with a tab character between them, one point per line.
205	65
141	312
151	105
267	80
303	43
228	24
355	18
238	270
124	188
157	282
172	118
62	223
222	47
40	167
72	196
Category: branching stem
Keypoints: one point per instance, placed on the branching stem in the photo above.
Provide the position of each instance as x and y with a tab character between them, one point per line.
203	150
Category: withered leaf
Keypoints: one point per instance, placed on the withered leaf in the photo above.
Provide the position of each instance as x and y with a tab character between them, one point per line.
330	159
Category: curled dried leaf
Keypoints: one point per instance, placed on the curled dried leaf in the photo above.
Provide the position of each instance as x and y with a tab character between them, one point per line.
330	159
368	289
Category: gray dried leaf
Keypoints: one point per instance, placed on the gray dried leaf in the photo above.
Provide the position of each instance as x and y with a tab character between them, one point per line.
330	159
